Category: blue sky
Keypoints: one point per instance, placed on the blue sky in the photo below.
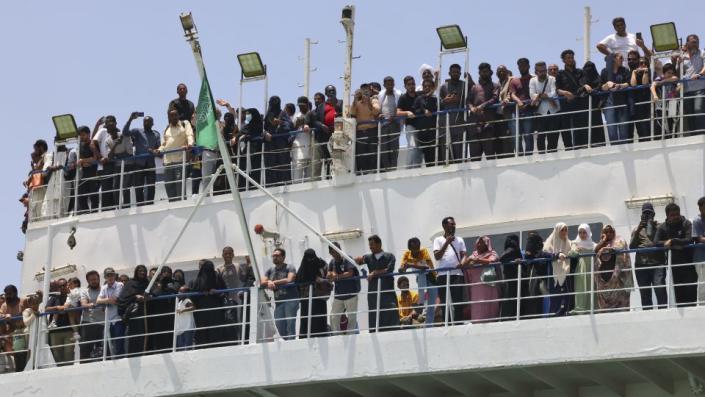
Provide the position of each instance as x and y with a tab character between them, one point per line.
93	58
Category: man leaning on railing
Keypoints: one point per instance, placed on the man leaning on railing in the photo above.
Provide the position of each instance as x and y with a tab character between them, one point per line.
699	252
675	234
177	136
146	141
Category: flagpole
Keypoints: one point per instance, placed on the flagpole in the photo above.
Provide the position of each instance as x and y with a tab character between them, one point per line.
225	156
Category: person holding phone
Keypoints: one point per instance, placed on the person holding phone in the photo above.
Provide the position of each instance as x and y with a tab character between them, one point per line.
622	42
647	275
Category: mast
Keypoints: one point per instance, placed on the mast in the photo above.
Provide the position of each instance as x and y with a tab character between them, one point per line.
587	21
348	21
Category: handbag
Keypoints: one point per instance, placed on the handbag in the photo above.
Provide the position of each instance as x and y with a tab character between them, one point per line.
489	276
131	311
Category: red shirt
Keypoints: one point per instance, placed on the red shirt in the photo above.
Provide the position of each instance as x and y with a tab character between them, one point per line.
329	116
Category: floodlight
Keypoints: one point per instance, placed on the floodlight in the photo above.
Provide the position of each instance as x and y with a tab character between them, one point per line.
665	37
251	65
187	22
451	37
65	127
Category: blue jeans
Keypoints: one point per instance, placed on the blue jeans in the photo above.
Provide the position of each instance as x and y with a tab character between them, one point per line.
617	123
117	346
185	340
430	305
525	130
285	318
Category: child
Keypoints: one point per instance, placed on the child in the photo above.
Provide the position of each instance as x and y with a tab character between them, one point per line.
418	259
73	300
184	323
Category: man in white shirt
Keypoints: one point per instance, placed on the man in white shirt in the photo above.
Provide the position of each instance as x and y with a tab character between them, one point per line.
388	99
694	70
301	146
449	251
621	41
93	319
178	135
542	90
108	296
105	139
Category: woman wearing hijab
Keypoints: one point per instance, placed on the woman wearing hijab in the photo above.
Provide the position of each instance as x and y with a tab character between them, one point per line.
161	320
533	277
251	133
590	86
512	253
558	245
312	274
579	247
131	306
484	294
206	283
613	275
277	158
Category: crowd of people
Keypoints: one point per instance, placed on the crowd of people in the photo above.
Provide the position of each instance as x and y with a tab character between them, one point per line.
289	142
552	277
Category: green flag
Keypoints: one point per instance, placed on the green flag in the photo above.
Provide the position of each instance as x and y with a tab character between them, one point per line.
206	127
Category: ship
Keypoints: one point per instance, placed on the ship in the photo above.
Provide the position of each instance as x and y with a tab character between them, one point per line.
634	352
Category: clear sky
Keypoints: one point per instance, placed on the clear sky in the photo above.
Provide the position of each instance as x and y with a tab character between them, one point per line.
92	58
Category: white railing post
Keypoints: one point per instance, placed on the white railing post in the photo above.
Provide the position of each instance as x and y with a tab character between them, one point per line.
243	317
449	150
670	288
106	332
262	173
517	133
379	292
589	130
35	344
310	307
254	314
122	181
663	112
464	150
438	136
379	145
183	174
248	161
518	316
176	313
448	301
75	187
592	284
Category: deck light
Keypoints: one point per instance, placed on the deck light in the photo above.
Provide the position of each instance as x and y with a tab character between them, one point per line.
189	26
451	37
665	37
251	65
65	126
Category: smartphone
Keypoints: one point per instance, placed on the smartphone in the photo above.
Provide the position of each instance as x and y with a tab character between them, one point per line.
638	36
140	114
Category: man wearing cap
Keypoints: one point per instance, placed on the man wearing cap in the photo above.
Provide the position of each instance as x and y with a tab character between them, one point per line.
108	296
643	237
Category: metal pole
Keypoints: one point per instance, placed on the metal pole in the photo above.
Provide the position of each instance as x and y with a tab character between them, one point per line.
379	145
670	288
681	108
176	313
310	307
75	187
587	21
243	320
652	104
449	150
592	285
307	65
47	265
201	196
518	291
122	180
663	112
589	130
516	130
254	314
448	299
438	104
379	288
239	105
292	213
183	174
106	332
349	26
248	164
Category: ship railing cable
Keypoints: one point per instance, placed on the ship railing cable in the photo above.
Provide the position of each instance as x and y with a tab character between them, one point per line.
511	298
497	136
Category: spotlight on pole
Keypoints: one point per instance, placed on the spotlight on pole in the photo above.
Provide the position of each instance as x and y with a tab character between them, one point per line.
251	65
451	37
665	37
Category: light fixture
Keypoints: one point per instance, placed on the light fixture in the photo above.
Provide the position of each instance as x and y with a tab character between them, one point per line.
451	37
343	235
65	126
71	241
657	201
665	37
56	272
188	25
251	65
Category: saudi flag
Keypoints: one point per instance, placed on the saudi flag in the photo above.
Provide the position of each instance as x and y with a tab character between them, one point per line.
206	126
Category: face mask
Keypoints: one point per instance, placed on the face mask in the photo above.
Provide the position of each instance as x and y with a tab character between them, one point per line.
248	118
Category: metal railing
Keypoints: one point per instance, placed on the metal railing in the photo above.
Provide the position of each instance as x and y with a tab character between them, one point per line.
501	131
259	316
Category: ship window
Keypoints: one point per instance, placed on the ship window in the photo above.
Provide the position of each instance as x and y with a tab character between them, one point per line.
498	239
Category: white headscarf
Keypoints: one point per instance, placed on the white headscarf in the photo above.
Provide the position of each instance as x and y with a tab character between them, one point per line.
586	244
423	68
556	245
